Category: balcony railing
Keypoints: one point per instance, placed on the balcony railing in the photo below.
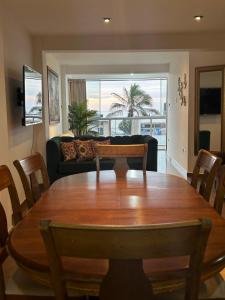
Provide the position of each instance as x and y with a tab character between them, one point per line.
151	125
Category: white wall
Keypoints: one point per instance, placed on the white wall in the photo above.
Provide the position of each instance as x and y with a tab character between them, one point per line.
16	140
55	129
198	59
177	128
4	155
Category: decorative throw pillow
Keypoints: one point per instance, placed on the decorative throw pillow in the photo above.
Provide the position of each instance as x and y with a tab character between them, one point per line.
84	149
94	143
68	150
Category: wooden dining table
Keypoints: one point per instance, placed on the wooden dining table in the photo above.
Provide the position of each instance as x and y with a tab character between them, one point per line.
135	199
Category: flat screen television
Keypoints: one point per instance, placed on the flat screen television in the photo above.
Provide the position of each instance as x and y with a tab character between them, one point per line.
32	94
210	101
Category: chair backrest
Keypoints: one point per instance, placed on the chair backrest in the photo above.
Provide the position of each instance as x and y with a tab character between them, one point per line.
27	169
204	172
129	244
3	228
220	190
120	153
3	251
7	182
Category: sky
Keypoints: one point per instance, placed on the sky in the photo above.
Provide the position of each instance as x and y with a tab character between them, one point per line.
102	101
33	87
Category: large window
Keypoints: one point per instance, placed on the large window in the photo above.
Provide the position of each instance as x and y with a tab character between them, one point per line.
100	93
149	117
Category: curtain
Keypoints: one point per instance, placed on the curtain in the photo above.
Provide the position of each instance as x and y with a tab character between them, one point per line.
77	91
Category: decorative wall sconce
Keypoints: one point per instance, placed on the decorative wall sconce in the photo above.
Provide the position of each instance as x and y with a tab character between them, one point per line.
182	85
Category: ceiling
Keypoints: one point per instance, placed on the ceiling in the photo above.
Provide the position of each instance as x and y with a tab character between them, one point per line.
79	17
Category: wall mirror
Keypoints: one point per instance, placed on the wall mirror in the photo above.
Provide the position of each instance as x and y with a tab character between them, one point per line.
209	109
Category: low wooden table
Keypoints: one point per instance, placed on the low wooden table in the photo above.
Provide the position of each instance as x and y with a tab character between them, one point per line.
88	199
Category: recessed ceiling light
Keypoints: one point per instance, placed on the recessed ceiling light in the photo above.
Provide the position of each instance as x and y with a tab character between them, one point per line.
107	20
131	74
198	18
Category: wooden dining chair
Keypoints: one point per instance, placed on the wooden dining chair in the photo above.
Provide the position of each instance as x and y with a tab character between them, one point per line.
7	182
219	192
3	251
28	169
204	172
14	283
120	153
125	247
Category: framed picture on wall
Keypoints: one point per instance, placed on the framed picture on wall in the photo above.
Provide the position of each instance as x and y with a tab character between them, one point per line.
53	96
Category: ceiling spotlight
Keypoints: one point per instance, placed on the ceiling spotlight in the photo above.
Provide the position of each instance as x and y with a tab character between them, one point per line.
107	20
198	18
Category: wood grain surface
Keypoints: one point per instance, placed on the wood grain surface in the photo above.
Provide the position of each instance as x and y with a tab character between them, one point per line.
105	199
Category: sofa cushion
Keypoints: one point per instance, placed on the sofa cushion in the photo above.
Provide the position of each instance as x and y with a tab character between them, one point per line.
84	149
76	166
68	150
123	140
135	163
106	163
79	166
115	140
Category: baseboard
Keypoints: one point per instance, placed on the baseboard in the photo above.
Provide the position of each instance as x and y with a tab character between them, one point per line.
181	170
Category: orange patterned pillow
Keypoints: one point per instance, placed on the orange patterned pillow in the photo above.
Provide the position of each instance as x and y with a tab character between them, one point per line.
94	143
84	149
68	150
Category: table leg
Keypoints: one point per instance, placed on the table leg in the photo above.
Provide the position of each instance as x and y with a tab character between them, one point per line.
125	280
120	166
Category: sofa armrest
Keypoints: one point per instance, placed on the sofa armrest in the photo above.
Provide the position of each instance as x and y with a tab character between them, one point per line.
152	152
53	155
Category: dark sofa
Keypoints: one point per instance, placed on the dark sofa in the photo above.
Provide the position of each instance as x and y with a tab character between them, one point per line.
58	168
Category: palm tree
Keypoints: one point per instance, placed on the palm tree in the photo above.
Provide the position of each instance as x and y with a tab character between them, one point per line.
39	98
134	102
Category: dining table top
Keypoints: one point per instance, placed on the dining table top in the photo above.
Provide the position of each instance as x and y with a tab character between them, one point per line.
105	199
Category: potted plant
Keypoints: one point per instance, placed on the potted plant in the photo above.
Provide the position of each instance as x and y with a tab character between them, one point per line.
82	120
